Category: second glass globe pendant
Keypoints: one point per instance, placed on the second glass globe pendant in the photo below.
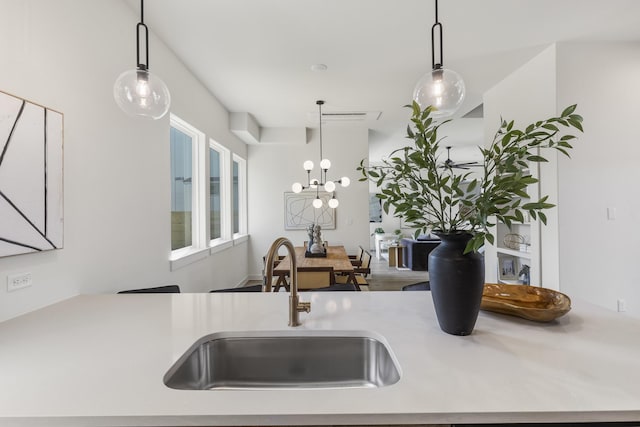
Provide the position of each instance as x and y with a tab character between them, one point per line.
322	182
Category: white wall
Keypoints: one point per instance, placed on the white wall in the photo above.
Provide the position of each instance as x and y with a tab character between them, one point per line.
66	55
599	257
525	96
595	257
275	167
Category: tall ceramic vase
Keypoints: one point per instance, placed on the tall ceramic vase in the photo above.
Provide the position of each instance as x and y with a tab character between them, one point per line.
457	282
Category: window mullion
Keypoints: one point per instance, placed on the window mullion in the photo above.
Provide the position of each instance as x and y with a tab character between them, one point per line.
200	230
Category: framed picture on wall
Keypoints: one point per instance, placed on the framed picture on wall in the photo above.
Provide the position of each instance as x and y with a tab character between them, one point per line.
375	208
299	212
31	182
508	267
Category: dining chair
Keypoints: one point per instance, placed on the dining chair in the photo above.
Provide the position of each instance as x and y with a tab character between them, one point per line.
315	277
166	289
360	273
337	287
356	260
281	281
251	288
365	266
420	286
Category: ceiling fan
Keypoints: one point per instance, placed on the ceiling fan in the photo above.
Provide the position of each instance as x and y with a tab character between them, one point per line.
450	164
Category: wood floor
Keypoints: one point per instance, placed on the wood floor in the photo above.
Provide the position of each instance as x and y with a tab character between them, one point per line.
385	278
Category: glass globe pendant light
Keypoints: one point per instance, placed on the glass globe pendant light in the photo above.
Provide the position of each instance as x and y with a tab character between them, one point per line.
315	183
441	88
138	92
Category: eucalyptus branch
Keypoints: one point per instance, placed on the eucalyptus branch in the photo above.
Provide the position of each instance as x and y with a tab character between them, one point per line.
433	197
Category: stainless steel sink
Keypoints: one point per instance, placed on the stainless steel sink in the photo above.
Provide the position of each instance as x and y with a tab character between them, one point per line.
285	359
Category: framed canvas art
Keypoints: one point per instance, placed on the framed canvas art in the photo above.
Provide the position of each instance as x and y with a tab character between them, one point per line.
299	212
31	177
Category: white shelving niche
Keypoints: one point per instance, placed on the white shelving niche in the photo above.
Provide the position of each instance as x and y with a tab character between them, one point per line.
505	259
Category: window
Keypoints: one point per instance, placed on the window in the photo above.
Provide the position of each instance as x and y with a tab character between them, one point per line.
214	193
218	193
208	195
181	186
239	196
186	219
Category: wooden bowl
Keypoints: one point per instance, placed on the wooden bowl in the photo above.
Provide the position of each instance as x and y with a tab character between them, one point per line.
528	302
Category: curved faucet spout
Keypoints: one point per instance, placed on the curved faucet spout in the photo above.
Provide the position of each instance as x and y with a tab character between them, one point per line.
295	306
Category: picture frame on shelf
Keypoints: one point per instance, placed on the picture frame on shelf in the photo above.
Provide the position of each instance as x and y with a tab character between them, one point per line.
508	267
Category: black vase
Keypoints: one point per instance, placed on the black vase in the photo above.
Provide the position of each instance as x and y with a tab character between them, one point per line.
457	282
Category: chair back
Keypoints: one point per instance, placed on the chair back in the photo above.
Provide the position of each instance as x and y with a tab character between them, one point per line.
251	288
315	277
167	289
366	259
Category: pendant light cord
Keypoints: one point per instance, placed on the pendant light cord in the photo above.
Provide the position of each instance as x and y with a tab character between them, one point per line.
435	26
320	116
141	24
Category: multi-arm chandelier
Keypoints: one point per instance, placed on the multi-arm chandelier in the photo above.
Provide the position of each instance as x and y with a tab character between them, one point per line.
441	88
316	183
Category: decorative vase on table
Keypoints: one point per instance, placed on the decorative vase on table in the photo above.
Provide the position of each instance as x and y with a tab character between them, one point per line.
457	281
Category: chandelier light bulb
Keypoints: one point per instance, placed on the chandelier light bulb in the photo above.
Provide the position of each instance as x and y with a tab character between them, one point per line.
330	187
296	188
333	203
317	203
308	165
325	164
345	181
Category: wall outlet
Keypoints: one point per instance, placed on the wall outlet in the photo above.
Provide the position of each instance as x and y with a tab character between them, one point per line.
18	281
622	305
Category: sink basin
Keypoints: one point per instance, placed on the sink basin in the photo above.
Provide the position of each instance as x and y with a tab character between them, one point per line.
285	359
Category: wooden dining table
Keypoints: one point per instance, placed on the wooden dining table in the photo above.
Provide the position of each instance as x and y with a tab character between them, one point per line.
336	257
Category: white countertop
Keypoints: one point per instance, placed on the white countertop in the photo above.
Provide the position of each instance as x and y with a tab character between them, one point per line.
100	360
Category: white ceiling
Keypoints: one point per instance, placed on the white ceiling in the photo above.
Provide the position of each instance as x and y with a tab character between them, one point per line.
256	55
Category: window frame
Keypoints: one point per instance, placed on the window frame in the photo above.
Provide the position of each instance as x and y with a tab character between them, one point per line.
242	234
202	245
198	161
223	241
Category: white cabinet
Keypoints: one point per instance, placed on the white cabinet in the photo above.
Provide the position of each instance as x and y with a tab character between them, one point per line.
383	241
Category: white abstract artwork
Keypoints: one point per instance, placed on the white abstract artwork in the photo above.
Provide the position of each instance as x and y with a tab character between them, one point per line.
31	177
299	212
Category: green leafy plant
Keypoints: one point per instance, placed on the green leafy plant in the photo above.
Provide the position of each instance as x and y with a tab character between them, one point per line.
431	195
378	230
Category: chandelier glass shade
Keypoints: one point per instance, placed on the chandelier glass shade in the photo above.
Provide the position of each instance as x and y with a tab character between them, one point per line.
440	88
321	182
138	92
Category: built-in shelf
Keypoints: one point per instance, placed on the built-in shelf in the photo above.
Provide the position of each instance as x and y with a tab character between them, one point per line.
513	252
509	282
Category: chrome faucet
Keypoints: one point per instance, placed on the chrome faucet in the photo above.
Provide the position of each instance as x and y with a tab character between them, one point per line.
295	305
